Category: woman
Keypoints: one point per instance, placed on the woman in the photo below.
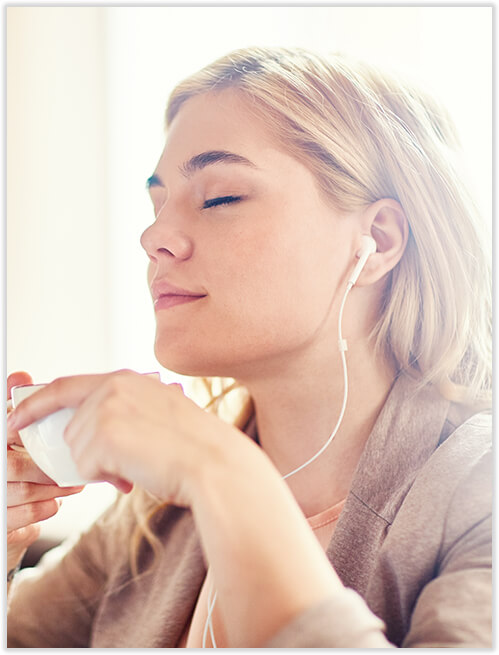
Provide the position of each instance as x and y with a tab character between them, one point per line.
279	167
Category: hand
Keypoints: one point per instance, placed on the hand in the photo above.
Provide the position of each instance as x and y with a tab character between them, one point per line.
129	428
31	495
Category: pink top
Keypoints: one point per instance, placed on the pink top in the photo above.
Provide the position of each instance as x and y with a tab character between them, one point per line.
322	524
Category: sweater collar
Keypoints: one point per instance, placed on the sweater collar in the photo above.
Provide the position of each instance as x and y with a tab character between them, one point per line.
407	431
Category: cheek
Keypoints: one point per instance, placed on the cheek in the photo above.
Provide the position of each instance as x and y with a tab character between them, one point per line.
269	292
277	286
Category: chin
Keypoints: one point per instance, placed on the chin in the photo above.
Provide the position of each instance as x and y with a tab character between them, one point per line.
195	356
184	363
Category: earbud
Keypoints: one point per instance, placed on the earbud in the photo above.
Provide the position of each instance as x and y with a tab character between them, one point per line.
367	248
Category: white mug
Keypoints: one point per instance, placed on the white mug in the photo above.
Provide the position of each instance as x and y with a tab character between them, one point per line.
44	440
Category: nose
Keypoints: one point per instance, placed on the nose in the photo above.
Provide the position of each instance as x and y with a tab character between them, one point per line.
164	238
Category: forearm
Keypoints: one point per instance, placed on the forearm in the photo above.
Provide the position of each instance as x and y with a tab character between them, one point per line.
267	565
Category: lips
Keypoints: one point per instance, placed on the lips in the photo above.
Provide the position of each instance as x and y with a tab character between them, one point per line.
167	295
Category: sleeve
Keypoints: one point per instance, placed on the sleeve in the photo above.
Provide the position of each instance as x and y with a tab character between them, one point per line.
455	608
53	604
341	621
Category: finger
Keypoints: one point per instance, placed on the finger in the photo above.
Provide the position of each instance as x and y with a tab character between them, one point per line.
14	441
16	379
83	424
20	493
122	485
23	536
99	411
62	392
17	447
21	468
24	515
13	437
90	419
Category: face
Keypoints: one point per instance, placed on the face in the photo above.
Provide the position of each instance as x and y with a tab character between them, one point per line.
246	257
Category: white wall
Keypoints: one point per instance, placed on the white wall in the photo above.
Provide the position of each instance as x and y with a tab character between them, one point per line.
57	230
58	319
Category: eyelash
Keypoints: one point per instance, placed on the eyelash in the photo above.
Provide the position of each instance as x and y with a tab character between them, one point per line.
222	200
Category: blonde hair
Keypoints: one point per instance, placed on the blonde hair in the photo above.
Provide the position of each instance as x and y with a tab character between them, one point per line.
366	135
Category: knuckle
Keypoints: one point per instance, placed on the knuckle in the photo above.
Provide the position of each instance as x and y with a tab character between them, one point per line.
41	510
14	466
57	384
113	405
123	375
23	491
120	380
124	372
114	384
30	513
56	388
12	494
35	511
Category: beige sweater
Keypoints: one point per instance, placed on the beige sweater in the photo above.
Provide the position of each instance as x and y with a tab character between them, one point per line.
412	546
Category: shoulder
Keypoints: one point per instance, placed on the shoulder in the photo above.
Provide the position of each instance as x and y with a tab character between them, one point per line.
455	483
431	577
453	606
449	499
462	456
465	462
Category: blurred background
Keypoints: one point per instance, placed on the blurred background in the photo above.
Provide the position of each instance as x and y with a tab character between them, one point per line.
86	92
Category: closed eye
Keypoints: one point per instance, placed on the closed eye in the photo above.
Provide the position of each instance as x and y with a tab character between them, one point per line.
221	200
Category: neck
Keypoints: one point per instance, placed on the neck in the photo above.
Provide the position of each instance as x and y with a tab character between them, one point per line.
297	410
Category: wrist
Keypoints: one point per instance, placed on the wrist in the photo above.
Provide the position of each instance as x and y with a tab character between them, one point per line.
211	472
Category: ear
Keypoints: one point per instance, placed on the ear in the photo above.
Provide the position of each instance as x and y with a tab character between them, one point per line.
386	222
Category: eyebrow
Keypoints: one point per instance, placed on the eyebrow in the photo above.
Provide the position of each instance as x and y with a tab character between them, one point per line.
202	160
213	157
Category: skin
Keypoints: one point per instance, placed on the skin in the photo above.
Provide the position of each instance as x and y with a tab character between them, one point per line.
31	496
272	269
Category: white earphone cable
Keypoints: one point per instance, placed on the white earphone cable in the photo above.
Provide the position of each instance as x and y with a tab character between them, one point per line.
342	344
209	623
343	347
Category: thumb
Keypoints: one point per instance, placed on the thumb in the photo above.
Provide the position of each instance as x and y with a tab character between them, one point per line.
16	379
